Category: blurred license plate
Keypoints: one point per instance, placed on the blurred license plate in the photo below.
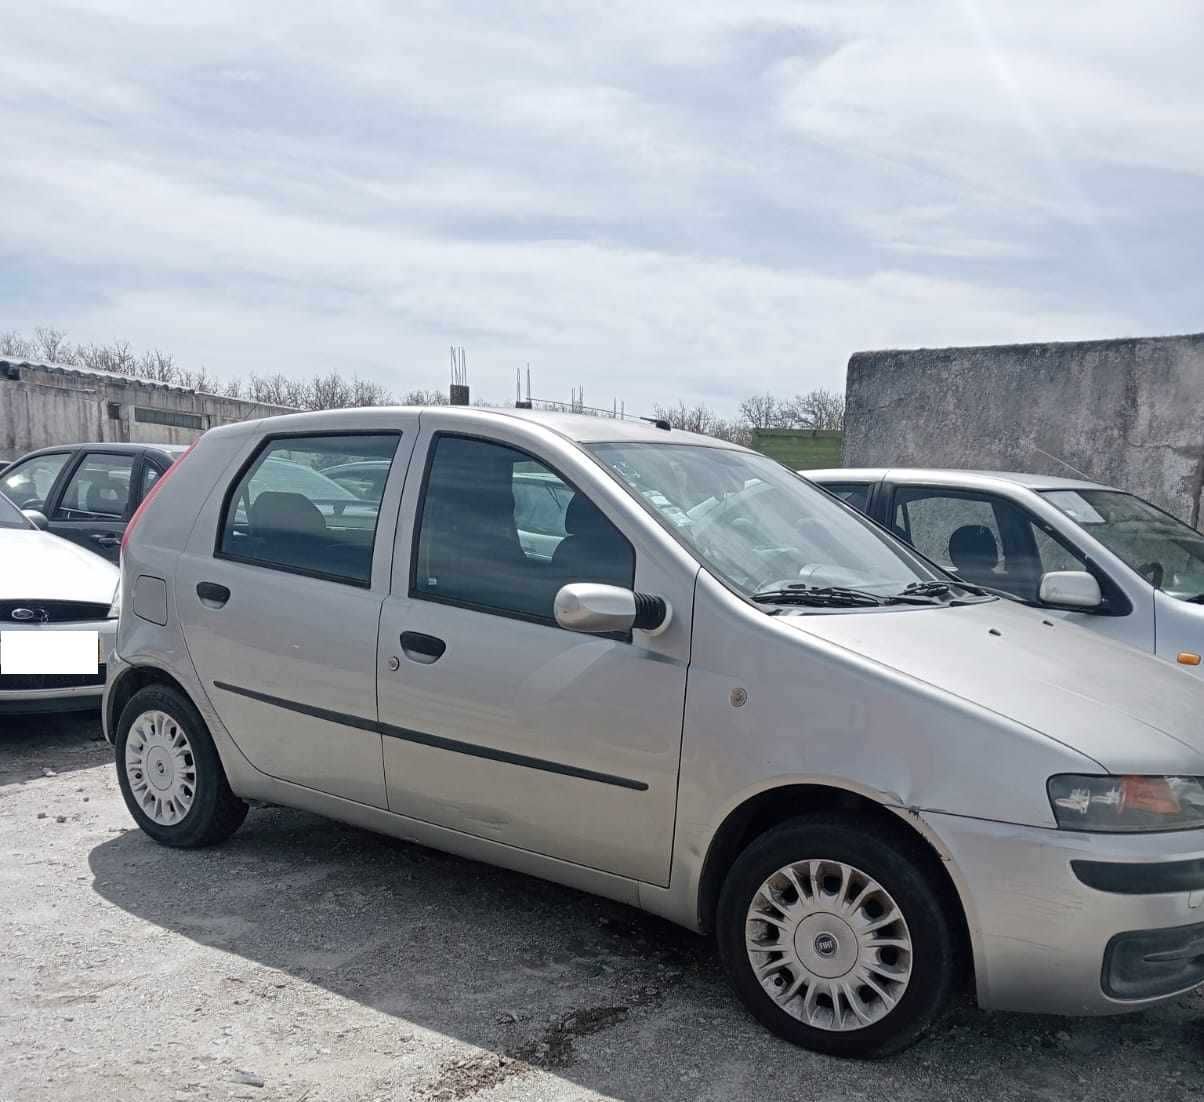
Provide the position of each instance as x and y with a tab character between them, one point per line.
49	652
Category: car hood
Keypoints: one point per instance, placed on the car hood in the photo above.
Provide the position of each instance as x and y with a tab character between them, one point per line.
1128	711
35	565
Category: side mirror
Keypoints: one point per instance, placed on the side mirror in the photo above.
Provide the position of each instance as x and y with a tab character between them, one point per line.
602	609
36	517
1070	589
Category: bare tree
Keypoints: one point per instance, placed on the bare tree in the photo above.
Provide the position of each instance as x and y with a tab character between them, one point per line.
364	392
761	411
421	397
117	357
158	366
702	419
13	344
51	345
819	409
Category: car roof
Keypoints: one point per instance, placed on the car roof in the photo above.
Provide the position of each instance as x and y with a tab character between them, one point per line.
964	479
580	428
118	447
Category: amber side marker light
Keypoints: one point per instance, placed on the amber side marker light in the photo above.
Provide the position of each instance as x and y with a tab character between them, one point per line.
1187	658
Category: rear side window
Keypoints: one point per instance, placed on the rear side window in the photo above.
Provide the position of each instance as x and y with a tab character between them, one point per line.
285	513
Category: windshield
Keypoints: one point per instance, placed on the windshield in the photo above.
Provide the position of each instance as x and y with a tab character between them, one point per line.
1163	550
756	525
11	516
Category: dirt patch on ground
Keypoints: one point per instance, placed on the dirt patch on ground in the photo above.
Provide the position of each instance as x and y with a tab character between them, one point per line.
306	960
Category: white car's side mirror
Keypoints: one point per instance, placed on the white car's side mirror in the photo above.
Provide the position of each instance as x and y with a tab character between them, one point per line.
1070	589
37	518
602	609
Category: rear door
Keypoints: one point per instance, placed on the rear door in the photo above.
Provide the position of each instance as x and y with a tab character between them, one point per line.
280	603
96	501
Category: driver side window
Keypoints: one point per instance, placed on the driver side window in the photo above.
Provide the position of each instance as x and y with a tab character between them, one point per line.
27	485
502	532
983	539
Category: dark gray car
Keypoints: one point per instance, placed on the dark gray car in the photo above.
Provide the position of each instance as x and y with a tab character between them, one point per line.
87	492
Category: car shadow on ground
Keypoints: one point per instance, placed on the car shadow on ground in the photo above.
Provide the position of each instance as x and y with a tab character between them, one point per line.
45	745
525	969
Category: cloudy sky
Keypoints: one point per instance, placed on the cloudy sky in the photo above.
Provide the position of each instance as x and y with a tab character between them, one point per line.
653	200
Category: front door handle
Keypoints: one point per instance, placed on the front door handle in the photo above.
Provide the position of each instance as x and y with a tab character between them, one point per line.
422	648
105	539
212	594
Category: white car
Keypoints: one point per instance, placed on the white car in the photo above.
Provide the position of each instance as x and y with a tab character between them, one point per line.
58	618
1139	572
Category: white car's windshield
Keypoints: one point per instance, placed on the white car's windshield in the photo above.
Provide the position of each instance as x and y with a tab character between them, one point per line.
1163	550
10	515
758	526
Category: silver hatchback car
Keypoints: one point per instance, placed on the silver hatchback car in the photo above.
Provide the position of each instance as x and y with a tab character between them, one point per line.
667	670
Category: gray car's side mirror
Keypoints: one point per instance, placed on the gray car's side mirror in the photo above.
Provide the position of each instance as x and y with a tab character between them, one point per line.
1070	589
602	609
36	517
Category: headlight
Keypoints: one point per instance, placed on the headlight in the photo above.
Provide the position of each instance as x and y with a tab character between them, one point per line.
115	607
1127	804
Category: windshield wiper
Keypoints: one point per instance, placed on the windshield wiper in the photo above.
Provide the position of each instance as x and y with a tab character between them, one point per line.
827	596
836	596
942	588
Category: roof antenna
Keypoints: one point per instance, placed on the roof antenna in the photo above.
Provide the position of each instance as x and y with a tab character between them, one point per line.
659	422
1058	459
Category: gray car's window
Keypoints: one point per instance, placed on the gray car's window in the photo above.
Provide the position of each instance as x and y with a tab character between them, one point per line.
366	480
28	484
502	532
856	494
1163	550
285	513
755	524
982	538
10	515
99	489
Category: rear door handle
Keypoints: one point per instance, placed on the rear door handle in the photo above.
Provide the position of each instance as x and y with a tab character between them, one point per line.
422	648
212	594
105	539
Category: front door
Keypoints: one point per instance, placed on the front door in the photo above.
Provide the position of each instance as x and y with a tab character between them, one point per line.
497	722
281	619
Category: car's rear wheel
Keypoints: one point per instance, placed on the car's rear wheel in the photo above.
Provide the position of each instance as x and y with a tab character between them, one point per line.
170	774
836	937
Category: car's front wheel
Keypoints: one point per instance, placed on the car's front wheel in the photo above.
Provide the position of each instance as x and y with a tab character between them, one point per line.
170	774
836	938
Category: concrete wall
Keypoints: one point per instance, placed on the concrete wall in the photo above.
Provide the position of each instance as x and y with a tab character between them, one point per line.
1125	412
44	404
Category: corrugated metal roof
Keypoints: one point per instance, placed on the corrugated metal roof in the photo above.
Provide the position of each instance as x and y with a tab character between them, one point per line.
74	369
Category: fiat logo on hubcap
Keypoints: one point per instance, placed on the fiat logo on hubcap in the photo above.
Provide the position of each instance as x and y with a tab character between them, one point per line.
825	945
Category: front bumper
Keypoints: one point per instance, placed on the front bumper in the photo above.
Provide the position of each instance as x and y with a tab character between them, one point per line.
1045	941
53	693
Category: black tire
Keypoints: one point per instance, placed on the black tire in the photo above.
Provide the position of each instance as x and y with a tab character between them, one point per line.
901	870
216	812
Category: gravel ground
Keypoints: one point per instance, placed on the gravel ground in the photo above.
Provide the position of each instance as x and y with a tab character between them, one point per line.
305	960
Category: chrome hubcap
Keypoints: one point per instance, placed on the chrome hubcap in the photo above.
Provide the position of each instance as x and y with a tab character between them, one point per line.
829	945
160	767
